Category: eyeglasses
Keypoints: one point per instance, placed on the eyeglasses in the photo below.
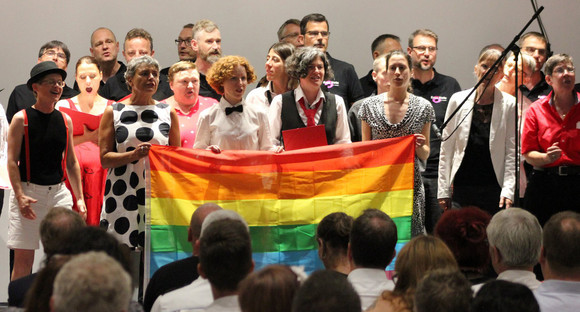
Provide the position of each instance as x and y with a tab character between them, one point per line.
293	35
180	41
423	49
314	33
562	69
52	53
532	50
52	83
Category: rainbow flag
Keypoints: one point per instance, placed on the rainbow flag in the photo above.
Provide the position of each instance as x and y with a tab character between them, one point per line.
283	196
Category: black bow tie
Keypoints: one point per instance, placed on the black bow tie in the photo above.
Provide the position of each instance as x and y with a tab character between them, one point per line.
239	108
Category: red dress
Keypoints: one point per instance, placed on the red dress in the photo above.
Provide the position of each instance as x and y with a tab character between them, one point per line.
93	176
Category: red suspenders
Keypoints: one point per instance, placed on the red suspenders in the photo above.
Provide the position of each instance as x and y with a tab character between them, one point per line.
27	147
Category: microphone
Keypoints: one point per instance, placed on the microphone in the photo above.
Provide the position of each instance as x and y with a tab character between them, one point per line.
436	131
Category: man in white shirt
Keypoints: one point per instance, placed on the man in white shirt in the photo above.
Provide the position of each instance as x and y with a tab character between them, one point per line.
372	247
515	240
560	261
196	296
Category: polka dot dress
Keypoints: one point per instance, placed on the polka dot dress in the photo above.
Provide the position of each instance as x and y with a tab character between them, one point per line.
123	213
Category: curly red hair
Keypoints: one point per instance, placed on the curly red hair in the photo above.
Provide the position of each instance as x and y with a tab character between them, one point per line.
223	69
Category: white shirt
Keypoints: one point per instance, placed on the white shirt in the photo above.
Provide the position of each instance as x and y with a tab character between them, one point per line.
523	277
369	284
247	130
194	297
558	296
342	132
224	304
258	98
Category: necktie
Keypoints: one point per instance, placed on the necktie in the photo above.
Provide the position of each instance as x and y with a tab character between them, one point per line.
310	122
239	108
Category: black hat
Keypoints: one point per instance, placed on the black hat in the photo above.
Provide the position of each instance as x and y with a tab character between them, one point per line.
42	69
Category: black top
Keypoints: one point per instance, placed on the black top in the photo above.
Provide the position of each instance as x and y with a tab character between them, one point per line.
368	84
291	119
116	88
438	91
206	90
345	82
46	147
540	90
476	167
169	277
22	97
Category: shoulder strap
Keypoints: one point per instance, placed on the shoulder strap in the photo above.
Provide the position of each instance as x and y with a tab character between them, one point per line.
63	164
26	146
71	104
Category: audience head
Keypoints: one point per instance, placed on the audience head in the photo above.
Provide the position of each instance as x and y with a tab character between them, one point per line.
183	41
423	49
315	30
271	289
302	64
207	41
55	51
419	256
104	45
92	282
39	294
90	238
333	234
463	231
443	291
560	257
197	218
138	42
56	227
226	68
504	296
516	248
225	256
326	291
384	44
372	240
535	44
289	32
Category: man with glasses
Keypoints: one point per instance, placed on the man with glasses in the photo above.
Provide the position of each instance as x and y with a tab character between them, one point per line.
315	32
437	89
22	97
535	45
184	50
289	32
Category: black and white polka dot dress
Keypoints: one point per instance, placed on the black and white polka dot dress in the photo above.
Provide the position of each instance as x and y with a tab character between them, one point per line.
123	213
419	113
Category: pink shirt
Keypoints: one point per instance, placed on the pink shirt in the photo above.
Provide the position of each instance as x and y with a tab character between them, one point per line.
188	122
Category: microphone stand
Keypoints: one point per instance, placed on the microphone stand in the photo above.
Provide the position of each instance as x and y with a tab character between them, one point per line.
489	72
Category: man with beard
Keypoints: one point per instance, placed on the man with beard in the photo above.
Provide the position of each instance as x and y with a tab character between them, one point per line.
138	42
437	89
184	50
206	42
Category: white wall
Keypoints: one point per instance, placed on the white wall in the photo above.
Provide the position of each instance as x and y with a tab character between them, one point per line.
249	27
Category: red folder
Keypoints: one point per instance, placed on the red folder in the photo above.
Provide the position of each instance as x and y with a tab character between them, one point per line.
304	137
79	119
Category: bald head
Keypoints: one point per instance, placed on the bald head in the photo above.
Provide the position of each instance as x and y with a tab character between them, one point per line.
197	219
